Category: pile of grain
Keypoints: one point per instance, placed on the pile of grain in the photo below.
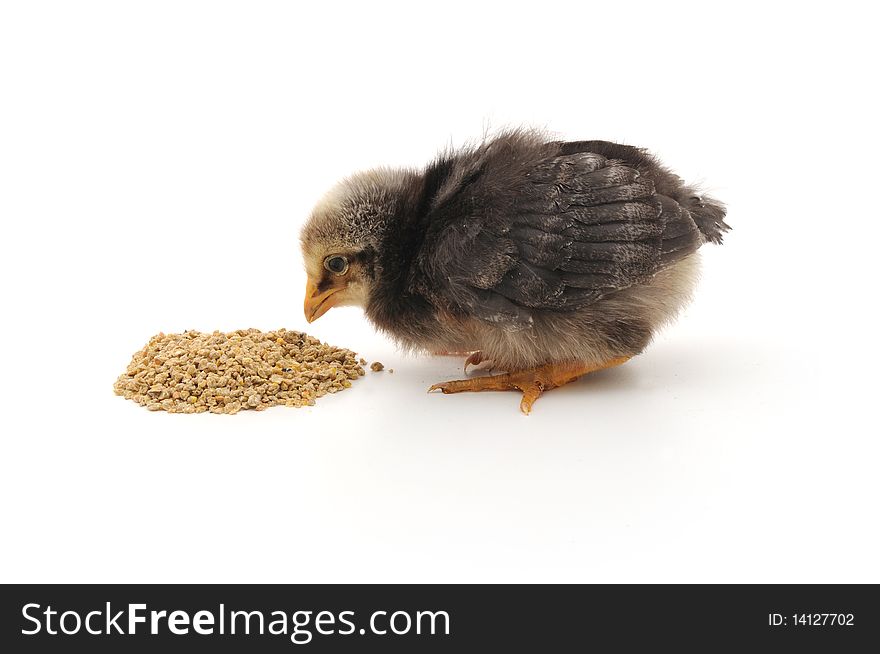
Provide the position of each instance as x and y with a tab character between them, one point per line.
225	373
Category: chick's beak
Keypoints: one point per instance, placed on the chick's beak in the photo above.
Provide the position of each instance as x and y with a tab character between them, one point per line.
318	303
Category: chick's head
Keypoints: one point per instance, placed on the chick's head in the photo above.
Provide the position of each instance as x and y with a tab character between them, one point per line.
342	237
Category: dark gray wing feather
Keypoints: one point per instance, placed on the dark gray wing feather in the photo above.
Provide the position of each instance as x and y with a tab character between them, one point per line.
581	226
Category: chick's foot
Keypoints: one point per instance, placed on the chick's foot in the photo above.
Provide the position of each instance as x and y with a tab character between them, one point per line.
531	382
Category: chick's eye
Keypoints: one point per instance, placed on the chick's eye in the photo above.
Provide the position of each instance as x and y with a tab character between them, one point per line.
336	264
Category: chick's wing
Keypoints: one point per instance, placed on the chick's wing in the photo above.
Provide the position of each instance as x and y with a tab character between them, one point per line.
580	226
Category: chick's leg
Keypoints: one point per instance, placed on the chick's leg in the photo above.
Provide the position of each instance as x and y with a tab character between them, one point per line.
531	382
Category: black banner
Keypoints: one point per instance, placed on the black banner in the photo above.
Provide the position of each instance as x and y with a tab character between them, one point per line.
434	618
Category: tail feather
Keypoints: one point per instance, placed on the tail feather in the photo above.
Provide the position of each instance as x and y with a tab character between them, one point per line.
708	214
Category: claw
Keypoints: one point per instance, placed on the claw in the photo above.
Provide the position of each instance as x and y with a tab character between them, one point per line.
475	359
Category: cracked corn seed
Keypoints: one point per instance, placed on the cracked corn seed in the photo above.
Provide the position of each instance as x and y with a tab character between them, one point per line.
227	372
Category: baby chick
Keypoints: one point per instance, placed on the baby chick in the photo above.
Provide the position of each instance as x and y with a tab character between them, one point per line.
551	259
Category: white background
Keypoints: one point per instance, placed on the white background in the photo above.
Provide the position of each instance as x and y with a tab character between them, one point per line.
157	160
